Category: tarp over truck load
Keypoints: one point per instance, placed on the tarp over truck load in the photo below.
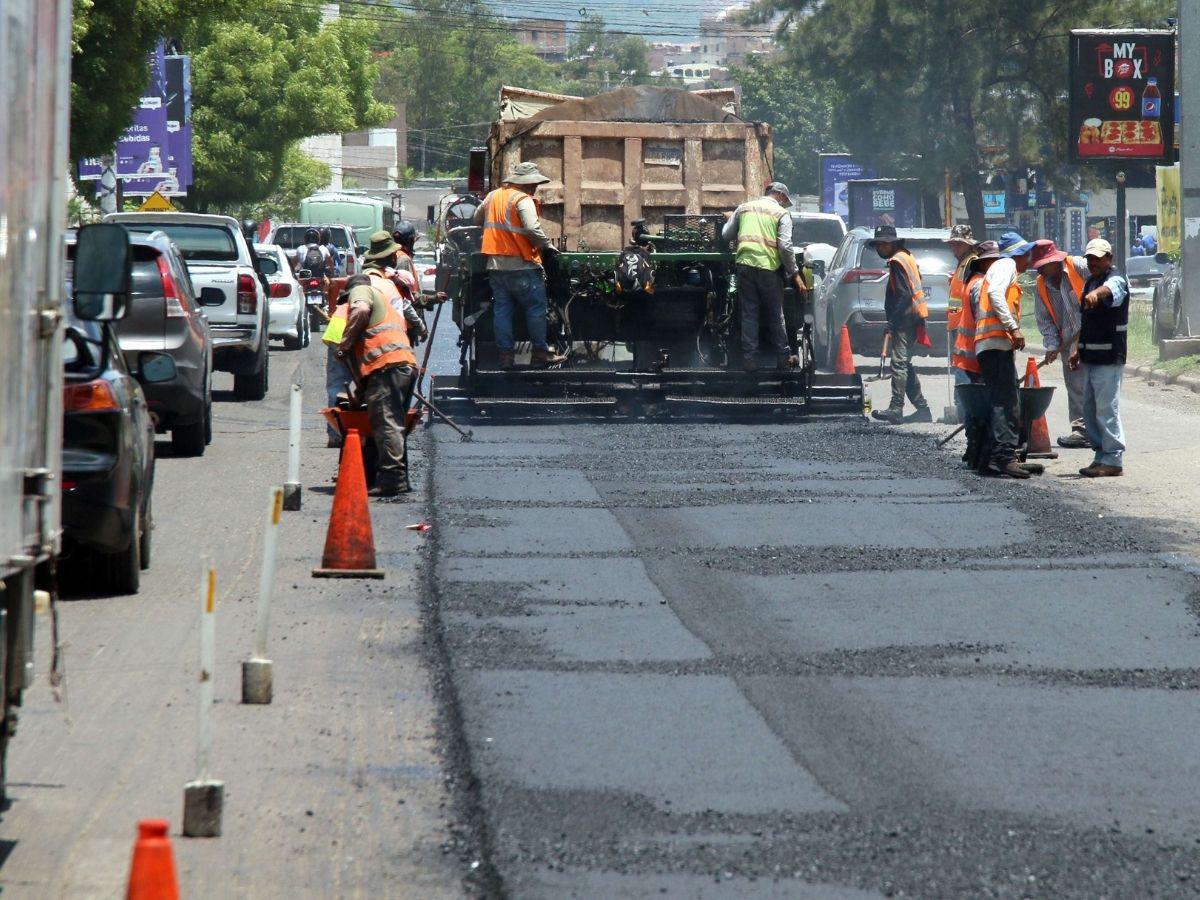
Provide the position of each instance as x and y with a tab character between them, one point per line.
638	152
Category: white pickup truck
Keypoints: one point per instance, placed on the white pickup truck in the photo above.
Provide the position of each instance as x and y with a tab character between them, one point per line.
225	274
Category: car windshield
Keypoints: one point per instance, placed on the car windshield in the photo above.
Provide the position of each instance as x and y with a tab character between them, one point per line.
1143	265
807	230
199	243
338	236
933	257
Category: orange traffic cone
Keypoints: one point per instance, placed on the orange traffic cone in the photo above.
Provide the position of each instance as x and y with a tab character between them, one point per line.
349	543
844	365
152	871
1039	431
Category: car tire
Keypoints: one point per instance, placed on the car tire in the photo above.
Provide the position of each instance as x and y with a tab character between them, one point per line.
306	337
188	440
253	386
147	532
121	572
208	419
297	342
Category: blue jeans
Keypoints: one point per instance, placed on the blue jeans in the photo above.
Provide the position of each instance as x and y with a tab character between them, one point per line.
962	377
1102	413
337	376
520	287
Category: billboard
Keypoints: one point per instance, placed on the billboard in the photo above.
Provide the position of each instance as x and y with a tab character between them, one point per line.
1122	95
885	201
837	170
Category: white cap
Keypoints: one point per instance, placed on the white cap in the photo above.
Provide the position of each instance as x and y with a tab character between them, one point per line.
1098	247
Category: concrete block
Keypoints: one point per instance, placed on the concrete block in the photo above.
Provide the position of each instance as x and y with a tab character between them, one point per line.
292	494
257	681
203	803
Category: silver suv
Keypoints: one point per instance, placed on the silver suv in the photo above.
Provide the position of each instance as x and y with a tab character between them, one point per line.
852	292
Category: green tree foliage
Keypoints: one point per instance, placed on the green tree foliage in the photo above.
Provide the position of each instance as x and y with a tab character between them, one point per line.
448	73
300	177
800	111
926	87
265	82
597	60
109	69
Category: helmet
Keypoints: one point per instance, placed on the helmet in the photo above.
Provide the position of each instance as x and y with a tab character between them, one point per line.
405	234
249	227
324	235
311	236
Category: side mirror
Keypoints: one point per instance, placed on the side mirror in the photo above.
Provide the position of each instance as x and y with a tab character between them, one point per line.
103	266
212	297
154	368
1162	259
818	268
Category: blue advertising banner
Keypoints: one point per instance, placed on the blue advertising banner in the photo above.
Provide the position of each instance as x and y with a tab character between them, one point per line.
837	171
885	201
155	152
993	203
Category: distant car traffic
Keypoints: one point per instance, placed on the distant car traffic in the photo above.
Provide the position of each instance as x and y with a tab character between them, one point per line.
1166	300
818	235
225	271
108	456
853	291
289	318
290	236
1143	272
425	265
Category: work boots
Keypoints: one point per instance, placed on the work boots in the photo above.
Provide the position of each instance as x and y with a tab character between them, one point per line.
506	358
891	415
546	357
922	415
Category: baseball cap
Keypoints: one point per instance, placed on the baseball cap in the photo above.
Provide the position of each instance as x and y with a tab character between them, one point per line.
1098	247
778	187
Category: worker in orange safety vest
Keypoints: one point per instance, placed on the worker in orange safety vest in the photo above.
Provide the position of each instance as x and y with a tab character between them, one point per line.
1060	293
906	308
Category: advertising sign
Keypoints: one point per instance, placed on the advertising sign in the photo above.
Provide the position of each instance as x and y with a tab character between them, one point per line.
993	203
1170	221
837	171
885	201
1122	86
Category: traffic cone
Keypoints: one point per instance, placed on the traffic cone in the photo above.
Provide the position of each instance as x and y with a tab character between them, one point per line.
349	543
152	871
844	365
1039	431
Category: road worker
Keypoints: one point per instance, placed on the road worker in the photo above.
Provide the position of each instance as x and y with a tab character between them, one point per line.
997	338
964	367
763	231
380	265
1100	355
906	310
514	244
376	347
1060	292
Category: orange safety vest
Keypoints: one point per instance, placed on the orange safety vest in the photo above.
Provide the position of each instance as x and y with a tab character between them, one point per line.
960	297
503	233
962	348
1076	282
386	287
385	344
988	326
913	274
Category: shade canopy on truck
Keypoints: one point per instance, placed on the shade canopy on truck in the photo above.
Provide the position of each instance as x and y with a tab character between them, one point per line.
638	152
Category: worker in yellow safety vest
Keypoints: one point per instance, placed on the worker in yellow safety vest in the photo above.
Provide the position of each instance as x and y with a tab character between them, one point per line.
1060	293
906	308
514	244
762	229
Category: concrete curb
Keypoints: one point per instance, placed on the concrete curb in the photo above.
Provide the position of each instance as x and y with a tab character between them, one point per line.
1146	372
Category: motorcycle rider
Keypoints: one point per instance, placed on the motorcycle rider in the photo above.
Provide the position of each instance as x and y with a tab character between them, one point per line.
314	256
335	265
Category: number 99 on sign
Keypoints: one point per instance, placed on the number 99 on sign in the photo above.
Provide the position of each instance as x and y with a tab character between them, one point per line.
1121	99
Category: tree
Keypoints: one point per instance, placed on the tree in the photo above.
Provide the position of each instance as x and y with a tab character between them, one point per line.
300	176
448	73
109	69
925	87
262	84
800	112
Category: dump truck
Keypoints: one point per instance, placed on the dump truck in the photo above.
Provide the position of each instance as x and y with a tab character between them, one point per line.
647	168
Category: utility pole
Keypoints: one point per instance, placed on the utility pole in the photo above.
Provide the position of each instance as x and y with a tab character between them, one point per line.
1189	161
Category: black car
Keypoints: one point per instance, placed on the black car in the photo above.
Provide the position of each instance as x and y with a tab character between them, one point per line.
1167	300
108	454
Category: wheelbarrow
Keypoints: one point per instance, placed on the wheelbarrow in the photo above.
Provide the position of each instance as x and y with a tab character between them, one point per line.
342	420
1034	401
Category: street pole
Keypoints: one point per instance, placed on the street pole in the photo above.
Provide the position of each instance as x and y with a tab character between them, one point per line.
1122	224
1189	159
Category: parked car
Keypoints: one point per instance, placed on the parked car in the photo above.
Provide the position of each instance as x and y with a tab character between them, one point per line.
1166	300
818	235
225	270
425	264
289	318
1143	272
108	455
164	314
853	291
290	236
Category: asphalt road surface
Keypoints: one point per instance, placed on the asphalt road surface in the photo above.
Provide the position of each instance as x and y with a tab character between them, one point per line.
809	660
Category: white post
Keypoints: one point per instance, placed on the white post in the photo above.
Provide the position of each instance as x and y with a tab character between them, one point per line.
291	490
257	682
204	799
